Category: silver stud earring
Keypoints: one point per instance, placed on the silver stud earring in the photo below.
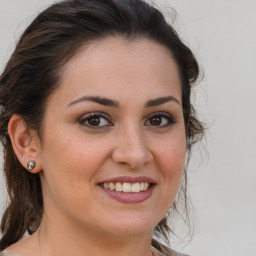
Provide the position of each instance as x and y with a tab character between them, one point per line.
31	165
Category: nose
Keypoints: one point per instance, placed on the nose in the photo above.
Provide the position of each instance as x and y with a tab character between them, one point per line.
131	149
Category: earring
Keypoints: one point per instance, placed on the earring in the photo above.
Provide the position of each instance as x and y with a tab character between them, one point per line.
31	165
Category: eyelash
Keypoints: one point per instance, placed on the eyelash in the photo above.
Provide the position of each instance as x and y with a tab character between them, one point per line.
86	118
97	115
162	115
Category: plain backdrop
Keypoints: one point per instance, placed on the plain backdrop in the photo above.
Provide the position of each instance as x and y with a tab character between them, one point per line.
223	176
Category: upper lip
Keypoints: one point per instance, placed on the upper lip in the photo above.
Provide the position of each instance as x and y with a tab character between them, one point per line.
129	179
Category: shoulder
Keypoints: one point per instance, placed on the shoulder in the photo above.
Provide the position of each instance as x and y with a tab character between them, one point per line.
174	253
7	254
170	252
163	250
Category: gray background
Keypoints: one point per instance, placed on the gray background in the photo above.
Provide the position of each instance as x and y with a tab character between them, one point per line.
223	174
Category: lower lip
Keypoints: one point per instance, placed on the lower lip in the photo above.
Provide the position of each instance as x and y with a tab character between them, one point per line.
122	197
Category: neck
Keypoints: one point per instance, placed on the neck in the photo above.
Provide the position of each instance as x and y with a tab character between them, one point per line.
71	240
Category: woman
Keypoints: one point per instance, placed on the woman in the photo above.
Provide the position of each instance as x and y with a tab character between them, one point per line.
96	123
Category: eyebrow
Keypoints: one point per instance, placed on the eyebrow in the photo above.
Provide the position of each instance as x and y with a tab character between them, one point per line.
160	101
100	100
113	103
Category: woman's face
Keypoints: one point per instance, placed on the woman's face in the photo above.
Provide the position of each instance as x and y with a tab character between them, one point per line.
113	143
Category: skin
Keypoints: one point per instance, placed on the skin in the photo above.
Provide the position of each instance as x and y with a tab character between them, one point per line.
72	157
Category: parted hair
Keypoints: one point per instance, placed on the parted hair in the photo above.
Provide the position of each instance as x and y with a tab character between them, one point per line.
33	73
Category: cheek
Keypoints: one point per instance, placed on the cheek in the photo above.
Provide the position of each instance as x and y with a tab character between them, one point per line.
172	164
69	164
171	158
171	153
72	162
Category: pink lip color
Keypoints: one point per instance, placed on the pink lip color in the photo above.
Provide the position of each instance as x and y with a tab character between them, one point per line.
129	179
129	197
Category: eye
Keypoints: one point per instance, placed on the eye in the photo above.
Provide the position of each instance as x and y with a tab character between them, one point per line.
161	120
95	120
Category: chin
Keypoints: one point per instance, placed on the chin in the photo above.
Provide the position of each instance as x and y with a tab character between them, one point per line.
131	226
126	230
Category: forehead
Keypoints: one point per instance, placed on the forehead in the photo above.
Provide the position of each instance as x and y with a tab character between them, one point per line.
114	64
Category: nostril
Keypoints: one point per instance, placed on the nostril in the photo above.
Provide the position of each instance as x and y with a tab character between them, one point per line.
133	153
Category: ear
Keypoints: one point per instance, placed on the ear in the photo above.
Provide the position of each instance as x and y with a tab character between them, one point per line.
25	142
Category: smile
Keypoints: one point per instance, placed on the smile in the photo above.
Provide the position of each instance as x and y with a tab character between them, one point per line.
126	187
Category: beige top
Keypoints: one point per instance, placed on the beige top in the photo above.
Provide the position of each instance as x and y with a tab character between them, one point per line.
171	251
9	254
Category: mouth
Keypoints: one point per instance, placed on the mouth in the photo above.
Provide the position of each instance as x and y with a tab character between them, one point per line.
126	187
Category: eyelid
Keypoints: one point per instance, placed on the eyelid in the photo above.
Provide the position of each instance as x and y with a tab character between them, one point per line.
163	114
89	115
92	114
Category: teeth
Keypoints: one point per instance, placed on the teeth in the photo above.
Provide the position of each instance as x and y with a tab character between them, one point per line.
136	187
111	186
106	185
127	187
119	187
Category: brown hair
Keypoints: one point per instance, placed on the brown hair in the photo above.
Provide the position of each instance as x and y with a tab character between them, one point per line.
32	74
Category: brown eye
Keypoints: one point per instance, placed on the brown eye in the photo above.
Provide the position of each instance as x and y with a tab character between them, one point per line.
95	121
156	121
160	120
